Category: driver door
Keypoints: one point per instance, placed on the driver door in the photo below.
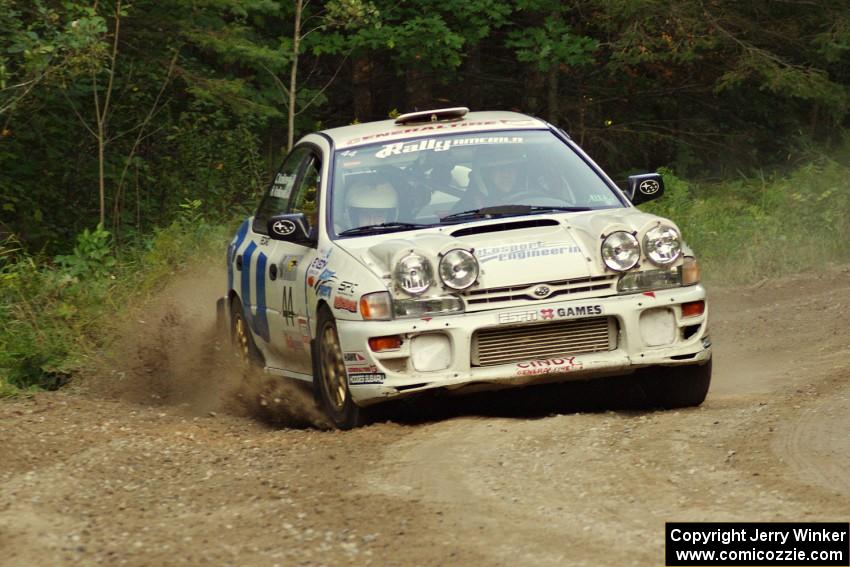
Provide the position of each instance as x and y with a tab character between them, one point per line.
286	280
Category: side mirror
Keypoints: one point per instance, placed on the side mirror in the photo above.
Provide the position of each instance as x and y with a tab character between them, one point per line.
645	187
290	228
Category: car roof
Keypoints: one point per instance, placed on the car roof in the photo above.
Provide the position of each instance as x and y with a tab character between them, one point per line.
370	132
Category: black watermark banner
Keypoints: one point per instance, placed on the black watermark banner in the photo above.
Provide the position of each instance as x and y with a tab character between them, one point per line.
811	544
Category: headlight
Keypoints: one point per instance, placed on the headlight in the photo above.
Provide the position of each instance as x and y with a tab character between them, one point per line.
458	269
620	251
662	245
414	274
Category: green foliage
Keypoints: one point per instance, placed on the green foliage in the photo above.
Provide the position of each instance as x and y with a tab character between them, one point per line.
553	43
92	256
765	226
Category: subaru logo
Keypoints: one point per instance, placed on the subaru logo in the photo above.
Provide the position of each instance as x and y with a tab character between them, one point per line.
542	291
283	227
649	187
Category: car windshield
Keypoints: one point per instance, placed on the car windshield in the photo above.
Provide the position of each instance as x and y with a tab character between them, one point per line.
415	183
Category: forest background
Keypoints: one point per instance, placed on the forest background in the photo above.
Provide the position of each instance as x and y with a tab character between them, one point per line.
134	133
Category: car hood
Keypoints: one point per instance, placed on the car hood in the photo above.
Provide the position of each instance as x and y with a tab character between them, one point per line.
513	251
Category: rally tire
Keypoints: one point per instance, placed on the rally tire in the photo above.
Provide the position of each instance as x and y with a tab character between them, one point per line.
330	380
672	387
241	338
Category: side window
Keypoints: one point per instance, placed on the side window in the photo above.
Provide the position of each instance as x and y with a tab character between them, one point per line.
276	199
305	199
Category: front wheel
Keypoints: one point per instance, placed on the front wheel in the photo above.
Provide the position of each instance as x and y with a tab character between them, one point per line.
331	380
678	386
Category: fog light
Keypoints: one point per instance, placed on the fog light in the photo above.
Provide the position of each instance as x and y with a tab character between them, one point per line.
658	327
693	308
430	352
381	344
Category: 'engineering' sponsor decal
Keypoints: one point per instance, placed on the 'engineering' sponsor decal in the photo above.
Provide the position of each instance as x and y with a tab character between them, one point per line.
524	251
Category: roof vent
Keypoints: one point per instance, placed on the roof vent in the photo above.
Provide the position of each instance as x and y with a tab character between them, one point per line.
439	115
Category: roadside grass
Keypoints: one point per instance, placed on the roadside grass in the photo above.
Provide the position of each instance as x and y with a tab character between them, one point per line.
756	228
57	314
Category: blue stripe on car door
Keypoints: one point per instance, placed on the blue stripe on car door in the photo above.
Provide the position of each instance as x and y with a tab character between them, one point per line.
231	252
246	279
260	322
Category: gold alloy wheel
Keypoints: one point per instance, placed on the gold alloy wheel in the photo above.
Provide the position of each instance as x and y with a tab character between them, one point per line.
242	339
333	369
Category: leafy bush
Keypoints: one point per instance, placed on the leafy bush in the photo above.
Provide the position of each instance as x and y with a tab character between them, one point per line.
762	227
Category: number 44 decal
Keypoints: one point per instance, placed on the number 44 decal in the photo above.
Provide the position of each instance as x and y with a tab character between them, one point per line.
288	311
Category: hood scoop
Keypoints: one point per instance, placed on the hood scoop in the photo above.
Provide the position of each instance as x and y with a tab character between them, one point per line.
503	226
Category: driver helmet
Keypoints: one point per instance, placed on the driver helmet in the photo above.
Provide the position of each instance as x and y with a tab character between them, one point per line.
371	201
502	163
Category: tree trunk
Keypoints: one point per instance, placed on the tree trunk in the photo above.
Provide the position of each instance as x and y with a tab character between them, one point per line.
418	89
534	86
473	71
296	46
361	75
552	107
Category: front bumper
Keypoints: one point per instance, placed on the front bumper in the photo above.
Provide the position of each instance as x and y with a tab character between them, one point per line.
375	376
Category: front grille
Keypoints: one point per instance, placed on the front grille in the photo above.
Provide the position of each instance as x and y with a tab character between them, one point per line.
506	345
576	288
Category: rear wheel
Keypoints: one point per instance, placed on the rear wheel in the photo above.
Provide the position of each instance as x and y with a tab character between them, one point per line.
331	379
678	386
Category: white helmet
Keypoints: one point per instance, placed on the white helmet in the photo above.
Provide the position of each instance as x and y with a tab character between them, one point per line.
372	198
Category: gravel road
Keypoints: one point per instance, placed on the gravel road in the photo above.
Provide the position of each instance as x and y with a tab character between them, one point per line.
158	459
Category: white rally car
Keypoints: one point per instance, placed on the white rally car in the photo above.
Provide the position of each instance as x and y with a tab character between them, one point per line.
462	251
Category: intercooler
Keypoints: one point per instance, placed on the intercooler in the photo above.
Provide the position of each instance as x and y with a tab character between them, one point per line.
506	345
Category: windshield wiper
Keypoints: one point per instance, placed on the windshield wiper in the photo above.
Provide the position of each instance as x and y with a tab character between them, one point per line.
506	210
498	210
546	208
382	227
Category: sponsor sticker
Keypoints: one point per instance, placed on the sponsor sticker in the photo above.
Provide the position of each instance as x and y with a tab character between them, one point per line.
520	317
346	288
345	304
569	312
366	378
441	145
368	369
282	186
446	127
304	327
325	279
353	358
293	343
548	366
288	267
524	251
